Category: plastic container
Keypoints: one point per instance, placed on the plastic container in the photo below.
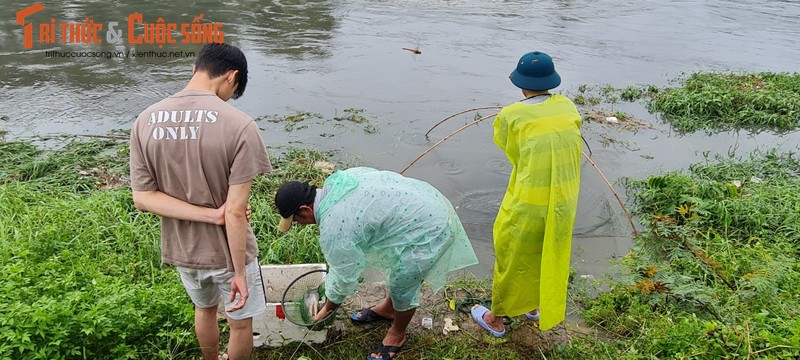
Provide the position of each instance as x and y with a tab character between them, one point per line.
427	323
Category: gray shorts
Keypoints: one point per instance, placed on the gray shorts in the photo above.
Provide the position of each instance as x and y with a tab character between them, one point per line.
208	287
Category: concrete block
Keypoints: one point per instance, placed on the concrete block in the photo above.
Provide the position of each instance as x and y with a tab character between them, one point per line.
278	277
269	329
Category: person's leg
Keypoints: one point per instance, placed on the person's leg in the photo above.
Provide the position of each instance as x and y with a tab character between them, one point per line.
205	326
489	318
206	297
240	345
396	335
385	308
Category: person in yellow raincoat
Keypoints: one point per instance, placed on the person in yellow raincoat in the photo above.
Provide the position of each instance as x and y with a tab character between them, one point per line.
533	230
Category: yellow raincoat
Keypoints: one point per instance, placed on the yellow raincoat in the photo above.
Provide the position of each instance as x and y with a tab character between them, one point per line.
533	229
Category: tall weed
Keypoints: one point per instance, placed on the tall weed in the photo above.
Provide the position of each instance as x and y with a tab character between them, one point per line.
717	275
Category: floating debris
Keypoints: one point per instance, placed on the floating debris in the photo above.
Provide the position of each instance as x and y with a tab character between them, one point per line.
620	119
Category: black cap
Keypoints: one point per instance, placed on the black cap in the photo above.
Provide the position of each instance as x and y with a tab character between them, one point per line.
290	197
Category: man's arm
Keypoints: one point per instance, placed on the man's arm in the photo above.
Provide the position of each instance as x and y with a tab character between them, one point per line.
346	264
162	204
147	197
500	131
236	229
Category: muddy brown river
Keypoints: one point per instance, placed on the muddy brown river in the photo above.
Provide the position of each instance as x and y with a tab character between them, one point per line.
328	56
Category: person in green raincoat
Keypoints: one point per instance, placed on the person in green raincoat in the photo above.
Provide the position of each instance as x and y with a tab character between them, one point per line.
533	230
381	219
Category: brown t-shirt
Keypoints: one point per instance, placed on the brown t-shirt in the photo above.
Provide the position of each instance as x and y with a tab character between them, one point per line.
192	146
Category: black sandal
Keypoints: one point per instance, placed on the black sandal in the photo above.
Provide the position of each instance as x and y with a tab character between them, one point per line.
384	351
368	316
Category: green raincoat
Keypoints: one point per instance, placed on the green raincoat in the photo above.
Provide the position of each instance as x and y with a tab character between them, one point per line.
533	229
401	226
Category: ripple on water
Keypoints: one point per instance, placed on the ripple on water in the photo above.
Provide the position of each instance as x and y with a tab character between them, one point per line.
479	207
412	138
502	167
450	167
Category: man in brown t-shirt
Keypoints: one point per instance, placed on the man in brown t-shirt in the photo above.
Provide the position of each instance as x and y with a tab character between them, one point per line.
193	158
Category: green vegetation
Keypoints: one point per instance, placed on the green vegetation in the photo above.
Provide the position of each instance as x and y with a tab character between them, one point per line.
583	100
632	93
722	101
589	97
78	166
82	274
585	96
716	275
300	244
293	121
355	116
425	345
291	118
712	101
81	268
594	95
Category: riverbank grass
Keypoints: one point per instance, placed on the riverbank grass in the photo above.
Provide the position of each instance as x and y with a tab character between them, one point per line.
715	275
726	101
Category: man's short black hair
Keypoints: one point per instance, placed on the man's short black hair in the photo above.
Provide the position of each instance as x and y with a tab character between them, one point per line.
216	59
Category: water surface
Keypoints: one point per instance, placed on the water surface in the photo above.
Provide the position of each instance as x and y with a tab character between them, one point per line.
328	56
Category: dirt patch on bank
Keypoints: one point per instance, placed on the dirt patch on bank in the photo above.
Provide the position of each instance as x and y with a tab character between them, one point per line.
449	306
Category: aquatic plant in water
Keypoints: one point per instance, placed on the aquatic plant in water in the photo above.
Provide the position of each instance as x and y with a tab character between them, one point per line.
724	101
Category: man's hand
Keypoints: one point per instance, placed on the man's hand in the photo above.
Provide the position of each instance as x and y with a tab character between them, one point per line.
160	203
327	308
238	286
219	214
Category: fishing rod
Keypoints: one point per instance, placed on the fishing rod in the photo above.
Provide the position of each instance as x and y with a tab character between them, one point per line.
588	158
445	138
459	113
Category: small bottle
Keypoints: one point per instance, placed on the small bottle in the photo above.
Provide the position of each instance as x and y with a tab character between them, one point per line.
427	323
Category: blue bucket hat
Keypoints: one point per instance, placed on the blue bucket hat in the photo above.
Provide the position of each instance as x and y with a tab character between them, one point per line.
535	71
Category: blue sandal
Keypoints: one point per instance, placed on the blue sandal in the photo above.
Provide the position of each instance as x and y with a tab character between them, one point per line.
477	315
368	316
